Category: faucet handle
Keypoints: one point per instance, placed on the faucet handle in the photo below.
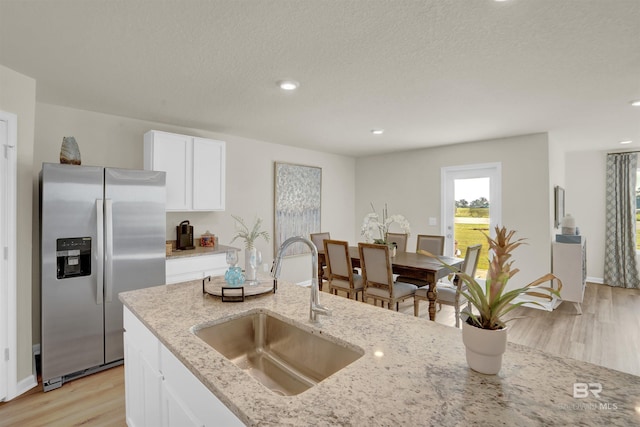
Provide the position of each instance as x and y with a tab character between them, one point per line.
275	268
321	309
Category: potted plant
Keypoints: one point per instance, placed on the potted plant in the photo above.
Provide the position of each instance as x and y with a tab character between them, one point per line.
251	256
484	330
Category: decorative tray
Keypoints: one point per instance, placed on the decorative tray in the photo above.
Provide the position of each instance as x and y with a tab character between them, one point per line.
218	287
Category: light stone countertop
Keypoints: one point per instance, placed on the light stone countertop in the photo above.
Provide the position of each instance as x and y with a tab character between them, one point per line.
199	251
422	379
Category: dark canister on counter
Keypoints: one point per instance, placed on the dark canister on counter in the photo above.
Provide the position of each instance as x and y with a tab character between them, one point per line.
184	236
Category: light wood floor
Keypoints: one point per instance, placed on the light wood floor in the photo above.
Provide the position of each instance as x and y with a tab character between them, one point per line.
606	334
96	400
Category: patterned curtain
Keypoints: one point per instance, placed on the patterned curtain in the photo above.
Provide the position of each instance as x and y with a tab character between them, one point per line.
620	268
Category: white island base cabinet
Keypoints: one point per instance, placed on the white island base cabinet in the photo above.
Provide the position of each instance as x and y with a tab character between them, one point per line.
160	390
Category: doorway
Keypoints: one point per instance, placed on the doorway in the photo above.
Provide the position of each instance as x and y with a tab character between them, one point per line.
8	298
471	206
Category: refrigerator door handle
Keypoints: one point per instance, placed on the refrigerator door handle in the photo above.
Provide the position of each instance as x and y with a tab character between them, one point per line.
100	251
108	264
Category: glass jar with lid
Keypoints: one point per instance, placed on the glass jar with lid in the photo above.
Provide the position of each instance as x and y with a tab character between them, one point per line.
207	240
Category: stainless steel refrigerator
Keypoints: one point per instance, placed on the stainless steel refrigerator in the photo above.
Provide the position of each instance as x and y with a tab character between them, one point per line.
102	232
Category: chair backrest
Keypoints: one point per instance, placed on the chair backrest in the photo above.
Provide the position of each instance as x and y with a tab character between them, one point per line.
338	260
400	239
471	258
429	243
318	238
376	266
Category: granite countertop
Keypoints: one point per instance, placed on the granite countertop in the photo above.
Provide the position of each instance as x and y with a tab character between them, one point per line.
422	379
200	250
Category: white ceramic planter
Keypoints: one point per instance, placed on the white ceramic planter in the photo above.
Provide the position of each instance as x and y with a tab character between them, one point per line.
484	348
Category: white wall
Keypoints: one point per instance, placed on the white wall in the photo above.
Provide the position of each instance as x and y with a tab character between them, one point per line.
585	200
19	97
409	182
118	141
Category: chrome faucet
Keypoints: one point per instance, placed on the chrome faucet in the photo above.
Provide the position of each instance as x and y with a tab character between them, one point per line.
315	308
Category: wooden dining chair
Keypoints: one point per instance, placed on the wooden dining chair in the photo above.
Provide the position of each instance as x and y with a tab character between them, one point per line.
340	272
400	239
378	277
448	293
430	243
318	239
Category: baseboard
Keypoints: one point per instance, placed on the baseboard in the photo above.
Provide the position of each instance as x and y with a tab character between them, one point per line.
306	283
598	280
25	385
29	381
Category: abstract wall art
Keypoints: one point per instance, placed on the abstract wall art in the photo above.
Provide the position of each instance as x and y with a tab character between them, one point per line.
298	191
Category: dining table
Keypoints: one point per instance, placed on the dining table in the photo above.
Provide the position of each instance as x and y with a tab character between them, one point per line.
408	264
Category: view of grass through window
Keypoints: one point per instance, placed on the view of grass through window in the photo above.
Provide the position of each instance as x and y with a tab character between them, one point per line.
472	218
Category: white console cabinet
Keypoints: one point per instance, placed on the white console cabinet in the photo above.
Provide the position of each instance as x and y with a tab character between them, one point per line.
184	269
195	169
570	266
160	390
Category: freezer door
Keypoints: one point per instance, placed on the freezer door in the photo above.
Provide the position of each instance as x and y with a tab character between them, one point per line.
71	306
135	237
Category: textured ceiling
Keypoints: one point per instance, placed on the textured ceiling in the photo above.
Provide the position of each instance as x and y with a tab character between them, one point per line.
429	72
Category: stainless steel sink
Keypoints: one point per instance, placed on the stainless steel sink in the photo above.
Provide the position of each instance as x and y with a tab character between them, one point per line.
284	357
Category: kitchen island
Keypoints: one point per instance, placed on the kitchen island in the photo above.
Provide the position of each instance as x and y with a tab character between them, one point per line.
413	371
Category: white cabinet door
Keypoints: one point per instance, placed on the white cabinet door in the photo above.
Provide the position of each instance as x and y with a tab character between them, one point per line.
208	174
143	379
195	404
195	170
176	412
173	154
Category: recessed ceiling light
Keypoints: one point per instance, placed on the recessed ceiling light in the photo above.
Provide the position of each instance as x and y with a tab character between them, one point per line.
636	103
627	141
377	131
288	84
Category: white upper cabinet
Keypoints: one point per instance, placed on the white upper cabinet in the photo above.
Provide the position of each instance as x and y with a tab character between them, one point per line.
195	169
208	162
